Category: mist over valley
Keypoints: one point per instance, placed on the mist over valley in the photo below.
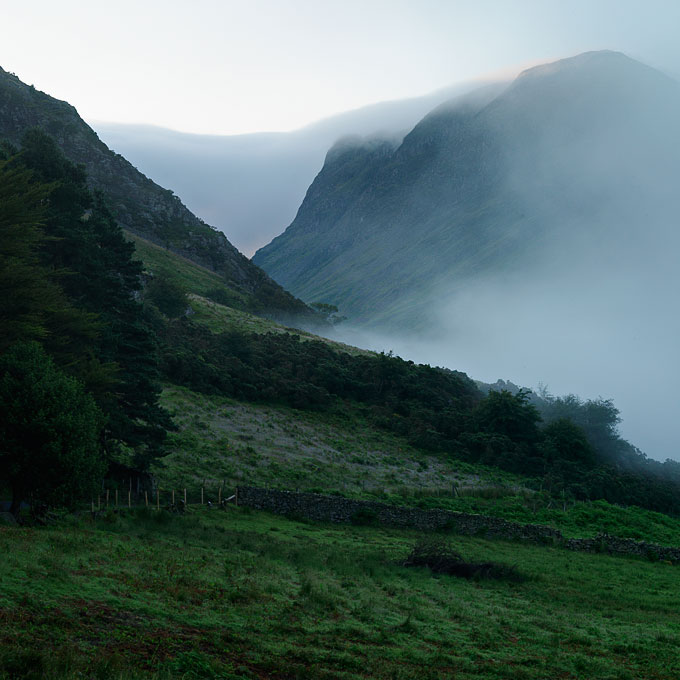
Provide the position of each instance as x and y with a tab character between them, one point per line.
530	237
250	186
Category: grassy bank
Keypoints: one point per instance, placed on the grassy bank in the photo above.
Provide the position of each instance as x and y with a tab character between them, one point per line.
241	594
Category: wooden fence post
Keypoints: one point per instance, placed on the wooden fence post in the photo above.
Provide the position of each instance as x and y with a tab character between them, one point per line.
201	495
116	497
158	498
173	496
107	499
185	498
146	498
130	498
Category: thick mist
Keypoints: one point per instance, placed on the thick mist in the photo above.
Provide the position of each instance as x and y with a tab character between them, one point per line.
250	186
589	303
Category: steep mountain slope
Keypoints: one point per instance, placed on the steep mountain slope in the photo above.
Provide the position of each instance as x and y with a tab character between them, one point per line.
223	178
573	153
140	205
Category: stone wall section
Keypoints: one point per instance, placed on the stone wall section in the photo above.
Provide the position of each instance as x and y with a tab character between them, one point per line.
341	510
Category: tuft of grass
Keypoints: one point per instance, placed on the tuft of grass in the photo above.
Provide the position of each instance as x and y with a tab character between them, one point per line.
441	558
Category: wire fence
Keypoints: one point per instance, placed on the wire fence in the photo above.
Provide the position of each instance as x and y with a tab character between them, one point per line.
159	498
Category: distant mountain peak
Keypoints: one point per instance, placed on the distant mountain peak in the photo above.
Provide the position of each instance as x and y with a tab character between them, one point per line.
588	60
600	65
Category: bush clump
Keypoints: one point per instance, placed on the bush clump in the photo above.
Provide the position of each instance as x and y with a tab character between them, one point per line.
441	558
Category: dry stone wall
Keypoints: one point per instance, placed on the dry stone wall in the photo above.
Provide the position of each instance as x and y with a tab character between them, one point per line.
614	545
345	511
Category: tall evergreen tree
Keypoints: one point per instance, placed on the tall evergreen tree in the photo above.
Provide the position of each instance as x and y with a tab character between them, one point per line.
33	305
86	248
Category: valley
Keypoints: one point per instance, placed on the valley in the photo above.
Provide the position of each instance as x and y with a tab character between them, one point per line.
137	342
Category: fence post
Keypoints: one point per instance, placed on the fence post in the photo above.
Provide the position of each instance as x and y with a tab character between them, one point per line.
107	499
116	497
130	498
173	496
158	498
185	498
146	498
201	495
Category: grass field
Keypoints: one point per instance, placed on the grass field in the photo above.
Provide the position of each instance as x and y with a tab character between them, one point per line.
191	277
240	594
336	450
219	318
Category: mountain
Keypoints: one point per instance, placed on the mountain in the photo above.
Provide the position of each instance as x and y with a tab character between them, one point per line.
570	158
224	178
139	204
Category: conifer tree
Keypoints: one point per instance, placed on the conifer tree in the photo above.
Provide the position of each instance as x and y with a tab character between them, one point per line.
86	250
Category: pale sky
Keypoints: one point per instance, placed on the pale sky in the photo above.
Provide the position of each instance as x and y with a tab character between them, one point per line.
229	67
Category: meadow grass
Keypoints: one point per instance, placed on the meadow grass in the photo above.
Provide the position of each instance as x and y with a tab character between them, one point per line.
223	442
244	594
338	450
190	276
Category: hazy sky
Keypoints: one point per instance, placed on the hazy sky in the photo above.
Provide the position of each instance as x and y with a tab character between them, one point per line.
227	66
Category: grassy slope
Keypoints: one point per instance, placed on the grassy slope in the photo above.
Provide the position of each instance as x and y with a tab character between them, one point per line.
222	441
219	318
250	595
159	260
197	281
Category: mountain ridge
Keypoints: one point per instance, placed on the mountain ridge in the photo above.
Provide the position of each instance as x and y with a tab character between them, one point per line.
223	177
139	204
449	202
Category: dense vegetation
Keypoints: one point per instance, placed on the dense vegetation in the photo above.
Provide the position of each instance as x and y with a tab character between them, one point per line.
577	452
69	282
